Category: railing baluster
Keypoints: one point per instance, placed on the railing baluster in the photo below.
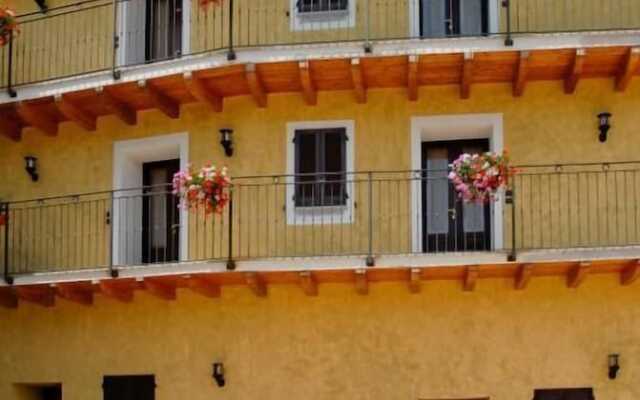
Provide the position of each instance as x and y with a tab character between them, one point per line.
231	264
116	42
10	90
231	54
370	260
508	41
7	271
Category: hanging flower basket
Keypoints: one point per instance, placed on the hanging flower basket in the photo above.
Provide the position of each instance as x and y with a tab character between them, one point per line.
8	25
207	189
477	178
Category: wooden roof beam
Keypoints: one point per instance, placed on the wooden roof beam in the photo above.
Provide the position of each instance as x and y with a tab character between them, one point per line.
11	128
161	101
361	281
44	122
309	92
470	278
415	276
162	289
75	294
8	298
199	90
632	61
126	114
412	78
357	78
520	78
117	290
204	287
74	113
42	295
256	284
523	276
467	75
630	273
572	79
578	274
308	283
255	85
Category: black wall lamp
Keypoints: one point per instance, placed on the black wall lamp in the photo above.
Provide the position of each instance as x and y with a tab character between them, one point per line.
31	166
604	125
218	374
225	141
614	365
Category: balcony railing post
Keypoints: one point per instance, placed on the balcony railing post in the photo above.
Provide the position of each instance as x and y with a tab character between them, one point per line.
370	260
231	264
10	89
113	272
4	209
116	42
367	42
508	41
231	54
510	200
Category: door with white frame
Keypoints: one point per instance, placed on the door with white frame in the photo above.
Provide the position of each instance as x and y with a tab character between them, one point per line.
152	30
441	18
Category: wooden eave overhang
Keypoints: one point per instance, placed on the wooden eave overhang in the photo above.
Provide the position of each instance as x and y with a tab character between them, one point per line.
309	278
257	73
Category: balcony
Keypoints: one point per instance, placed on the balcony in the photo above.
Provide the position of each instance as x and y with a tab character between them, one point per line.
114	36
558	216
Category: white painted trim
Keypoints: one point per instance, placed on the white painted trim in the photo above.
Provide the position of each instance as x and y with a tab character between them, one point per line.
186	26
321	20
128	154
257	55
319	215
414	17
453	127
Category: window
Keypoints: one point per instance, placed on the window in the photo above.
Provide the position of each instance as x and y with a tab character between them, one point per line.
320	167
563	394
316	15
319	163
131	387
305	6
39	391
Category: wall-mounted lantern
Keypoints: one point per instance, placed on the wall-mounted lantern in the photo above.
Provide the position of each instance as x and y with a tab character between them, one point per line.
218	374
31	166
226	142
604	125
614	365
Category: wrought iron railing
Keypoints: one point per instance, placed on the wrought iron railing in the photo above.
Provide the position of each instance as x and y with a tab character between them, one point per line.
112	35
367	214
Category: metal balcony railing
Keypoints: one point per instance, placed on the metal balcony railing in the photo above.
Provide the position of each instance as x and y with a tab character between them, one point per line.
367	214
112	35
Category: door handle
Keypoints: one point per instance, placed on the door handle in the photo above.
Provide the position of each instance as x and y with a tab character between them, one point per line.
452	213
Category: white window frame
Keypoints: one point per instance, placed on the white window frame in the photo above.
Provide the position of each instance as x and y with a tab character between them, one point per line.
322	20
454	127
122	14
320	215
128	158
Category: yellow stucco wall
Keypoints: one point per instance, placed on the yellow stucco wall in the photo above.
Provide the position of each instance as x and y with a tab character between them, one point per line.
442	343
545	126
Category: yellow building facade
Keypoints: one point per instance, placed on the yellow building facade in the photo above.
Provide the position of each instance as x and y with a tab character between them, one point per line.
392	288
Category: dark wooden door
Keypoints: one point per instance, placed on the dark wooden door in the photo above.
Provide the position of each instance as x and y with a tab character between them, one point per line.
160	214
448	223
133	387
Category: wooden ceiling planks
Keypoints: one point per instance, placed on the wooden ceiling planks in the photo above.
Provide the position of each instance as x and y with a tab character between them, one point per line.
170	92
